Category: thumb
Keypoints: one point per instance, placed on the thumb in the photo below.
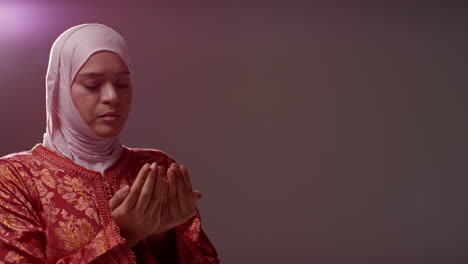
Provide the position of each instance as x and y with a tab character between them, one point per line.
197	195
118	197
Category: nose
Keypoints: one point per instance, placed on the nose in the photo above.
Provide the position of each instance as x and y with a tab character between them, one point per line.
109	94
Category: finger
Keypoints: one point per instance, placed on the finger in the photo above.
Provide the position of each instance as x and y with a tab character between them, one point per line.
118	197
157	198
165	214
172	197
147	190
164	191
186	176
132	197
181	194
158	211
197	195
188	187
157	183
187	201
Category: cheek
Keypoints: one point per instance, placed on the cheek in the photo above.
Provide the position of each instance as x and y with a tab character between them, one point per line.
85	109
84	104
127	101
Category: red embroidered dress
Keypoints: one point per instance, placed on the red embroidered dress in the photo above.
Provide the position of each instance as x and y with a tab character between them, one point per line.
55	211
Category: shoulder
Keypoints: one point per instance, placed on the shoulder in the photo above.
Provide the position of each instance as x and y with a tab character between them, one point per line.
16	169
17	161
148	155
17	180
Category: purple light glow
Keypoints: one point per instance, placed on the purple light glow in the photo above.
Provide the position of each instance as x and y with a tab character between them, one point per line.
12	20
21	21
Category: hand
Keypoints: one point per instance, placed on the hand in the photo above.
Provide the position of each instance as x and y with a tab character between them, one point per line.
138	213
180	204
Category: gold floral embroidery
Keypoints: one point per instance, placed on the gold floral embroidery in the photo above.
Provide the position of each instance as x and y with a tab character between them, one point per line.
11	221
13	257
47	178
4	195
194	229
100	242
7	175
51	211
74	191
73	233
47	205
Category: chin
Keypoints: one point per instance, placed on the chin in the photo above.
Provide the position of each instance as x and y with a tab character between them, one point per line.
107	132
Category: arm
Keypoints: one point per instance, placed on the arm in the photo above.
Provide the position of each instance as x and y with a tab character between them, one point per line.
179	237
189	244
163	247
185	244
194	245
23	236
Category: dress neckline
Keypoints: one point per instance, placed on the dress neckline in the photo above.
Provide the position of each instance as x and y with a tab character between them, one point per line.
67	164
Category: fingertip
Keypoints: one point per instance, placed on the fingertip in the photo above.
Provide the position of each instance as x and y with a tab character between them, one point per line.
170	171
160	178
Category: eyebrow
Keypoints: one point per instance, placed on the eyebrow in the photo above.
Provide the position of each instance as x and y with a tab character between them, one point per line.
95	74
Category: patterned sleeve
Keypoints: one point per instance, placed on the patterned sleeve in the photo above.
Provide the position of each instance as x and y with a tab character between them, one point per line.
193	245
22	236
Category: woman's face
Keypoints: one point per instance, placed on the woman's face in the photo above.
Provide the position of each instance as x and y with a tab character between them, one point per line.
102	93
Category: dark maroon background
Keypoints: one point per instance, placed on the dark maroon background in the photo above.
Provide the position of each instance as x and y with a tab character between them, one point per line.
321	132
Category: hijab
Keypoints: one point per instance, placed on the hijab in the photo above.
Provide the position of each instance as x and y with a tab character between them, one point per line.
66	132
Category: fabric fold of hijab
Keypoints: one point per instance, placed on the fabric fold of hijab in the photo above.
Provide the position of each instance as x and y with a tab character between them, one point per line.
67	133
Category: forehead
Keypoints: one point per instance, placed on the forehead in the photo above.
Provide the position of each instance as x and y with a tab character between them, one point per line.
103	62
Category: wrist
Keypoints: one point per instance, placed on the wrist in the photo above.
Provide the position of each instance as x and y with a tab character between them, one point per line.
160	236
164	246
131	243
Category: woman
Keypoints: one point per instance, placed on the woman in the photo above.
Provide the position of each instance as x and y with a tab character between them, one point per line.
81	196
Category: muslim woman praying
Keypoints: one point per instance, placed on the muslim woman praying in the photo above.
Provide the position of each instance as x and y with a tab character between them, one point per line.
81	196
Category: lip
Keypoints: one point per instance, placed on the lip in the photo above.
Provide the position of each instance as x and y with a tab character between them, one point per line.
110	116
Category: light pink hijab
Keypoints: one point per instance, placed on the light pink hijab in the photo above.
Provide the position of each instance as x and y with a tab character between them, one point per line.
67	133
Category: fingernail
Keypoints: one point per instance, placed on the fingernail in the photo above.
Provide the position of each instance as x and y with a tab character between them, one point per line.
125	188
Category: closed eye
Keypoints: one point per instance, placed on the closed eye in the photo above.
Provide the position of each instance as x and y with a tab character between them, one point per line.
122	85
91	87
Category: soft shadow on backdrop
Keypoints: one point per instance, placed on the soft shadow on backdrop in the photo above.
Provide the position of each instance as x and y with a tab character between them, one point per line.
318	133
